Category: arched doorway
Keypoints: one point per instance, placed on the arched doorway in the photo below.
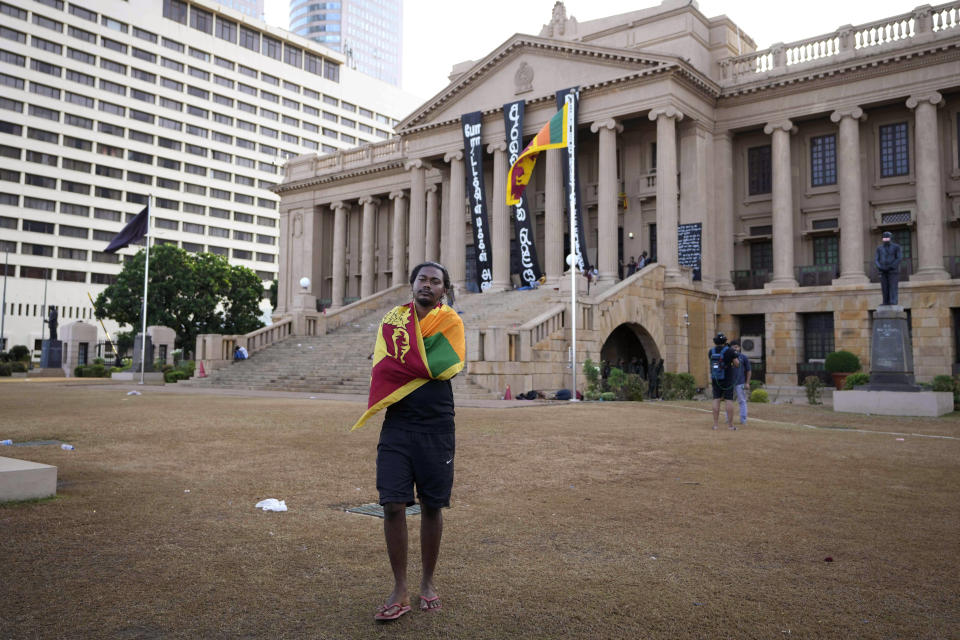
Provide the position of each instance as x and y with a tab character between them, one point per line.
631	348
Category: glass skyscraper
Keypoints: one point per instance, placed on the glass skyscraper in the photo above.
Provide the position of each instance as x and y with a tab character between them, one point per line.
368	32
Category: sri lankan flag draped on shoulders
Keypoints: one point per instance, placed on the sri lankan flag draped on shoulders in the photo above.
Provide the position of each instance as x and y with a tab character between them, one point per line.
552	136
411	352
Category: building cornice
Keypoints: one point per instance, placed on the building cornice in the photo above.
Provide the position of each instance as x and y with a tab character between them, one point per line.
318	180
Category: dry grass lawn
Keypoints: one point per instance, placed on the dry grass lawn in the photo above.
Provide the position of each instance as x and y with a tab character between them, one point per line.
597	520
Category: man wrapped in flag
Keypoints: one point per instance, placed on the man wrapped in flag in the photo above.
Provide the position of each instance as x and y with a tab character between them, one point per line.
552	136
420	346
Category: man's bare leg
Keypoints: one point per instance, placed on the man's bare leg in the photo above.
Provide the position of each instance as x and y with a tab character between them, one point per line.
728	406
395	532
716	411
431	531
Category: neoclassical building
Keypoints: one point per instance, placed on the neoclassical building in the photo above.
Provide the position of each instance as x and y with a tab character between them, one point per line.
788	163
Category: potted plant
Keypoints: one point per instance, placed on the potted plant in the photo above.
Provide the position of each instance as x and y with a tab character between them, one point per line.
840	364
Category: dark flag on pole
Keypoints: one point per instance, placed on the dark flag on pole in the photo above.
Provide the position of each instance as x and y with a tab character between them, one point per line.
135	229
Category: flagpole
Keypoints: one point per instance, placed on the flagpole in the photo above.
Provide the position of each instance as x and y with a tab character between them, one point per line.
3	307
146	271
572	207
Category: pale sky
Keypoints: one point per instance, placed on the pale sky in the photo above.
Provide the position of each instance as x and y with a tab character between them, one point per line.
440	33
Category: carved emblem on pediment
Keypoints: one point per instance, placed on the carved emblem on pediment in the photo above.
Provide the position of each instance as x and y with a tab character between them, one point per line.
523	79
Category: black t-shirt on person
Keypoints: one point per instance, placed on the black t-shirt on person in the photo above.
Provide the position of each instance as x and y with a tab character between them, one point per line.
428	409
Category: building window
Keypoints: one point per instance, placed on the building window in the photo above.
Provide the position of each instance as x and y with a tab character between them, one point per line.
250	39
761	256
826	250
175	10
145	35
38	227
817	335
292	56
71	276
903	238
759	170
894	150
201	20
81	34
71	254
823	160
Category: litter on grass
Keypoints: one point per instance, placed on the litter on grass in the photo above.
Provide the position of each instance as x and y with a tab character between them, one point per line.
272	504
133	393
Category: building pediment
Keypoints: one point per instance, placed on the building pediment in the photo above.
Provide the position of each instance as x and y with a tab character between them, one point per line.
529	68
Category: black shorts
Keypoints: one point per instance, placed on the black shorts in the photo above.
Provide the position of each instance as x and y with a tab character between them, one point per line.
408	458
722	391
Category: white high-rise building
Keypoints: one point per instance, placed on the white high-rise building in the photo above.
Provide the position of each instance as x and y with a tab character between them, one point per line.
368	32
106	103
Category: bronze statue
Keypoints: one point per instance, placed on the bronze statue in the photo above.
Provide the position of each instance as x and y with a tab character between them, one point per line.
887	261
52	322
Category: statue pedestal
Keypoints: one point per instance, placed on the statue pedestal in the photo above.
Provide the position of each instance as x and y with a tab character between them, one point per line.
137	352
891	352
892	391
51	354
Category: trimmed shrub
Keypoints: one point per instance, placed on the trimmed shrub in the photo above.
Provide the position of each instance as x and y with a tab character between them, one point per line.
5	369
841	362
856	380
678	386
755	384
759	395
18	367
174	375
591	395
608	396
19	352
943	383
814	387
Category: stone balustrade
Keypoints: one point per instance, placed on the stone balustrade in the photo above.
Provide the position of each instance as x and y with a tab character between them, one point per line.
847	41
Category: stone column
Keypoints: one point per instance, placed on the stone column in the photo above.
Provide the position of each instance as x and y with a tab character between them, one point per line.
723	179
929	188
285	277
553	227
418	210
500	219
782	205
454	225
339	253
607	195
367	243
399	266
668	213
433	226
851	196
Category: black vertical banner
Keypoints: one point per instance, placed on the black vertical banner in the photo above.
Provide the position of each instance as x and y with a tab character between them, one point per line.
529	265
573	182
473	153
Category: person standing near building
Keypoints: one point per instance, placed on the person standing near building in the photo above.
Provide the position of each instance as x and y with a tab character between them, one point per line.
741	375
887	261
420	346
722	360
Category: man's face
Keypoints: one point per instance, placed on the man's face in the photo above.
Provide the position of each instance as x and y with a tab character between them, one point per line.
428	287
736	348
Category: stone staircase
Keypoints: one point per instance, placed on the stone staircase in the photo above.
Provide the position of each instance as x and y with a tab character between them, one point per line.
339	362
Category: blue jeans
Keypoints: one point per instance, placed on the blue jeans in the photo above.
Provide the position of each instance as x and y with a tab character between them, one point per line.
742	391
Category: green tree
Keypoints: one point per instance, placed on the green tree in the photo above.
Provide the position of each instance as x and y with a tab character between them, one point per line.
190	293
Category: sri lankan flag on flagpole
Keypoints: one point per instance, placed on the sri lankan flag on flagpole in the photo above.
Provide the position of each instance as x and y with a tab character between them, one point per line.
552	136
411	352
